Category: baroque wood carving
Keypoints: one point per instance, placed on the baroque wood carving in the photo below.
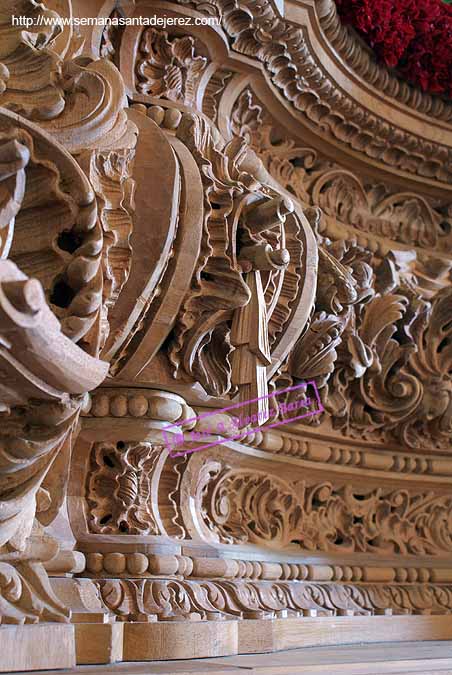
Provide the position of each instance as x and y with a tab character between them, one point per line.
193	218
44	375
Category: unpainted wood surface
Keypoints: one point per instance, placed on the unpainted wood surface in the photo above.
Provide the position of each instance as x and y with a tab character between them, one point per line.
427	658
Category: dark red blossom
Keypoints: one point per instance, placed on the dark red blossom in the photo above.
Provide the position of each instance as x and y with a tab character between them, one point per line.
412	36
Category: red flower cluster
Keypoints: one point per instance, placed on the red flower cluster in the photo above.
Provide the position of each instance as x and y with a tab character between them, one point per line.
412	36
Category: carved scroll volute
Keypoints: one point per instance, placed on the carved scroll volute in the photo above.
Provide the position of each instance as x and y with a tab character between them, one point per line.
81	105
166	243
259	269
44	374
13	159
56	234
234	263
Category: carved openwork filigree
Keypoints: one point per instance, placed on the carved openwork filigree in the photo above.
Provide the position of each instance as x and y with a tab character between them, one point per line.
406	217
389	353
119	491
254	507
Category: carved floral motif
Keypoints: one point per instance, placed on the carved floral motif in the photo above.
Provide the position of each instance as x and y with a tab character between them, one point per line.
119	488
318	181
254	507
169	67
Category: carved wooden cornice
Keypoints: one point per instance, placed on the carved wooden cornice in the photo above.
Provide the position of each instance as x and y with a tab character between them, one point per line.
303	67
385	215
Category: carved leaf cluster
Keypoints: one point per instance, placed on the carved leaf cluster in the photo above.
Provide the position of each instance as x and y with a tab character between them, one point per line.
139	600
119	488
169	67
242	507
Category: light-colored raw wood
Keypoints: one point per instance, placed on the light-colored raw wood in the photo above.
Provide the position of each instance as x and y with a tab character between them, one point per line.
220	212
279	634
36	647
99	642
179	640
391	658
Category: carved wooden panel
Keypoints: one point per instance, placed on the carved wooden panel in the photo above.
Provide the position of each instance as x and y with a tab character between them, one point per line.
193	218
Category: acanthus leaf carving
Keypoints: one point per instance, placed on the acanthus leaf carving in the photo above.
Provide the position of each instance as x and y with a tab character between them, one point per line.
250	234
140	600
317	181
243	506
81	105
169	67
119	490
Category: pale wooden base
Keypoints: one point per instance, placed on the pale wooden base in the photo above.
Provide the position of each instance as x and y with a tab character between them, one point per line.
428	658
99	642
179	640
187	640
279	634
35	647
52	645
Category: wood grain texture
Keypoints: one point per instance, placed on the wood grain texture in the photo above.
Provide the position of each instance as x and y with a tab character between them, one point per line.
194	217
36	647
390	658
